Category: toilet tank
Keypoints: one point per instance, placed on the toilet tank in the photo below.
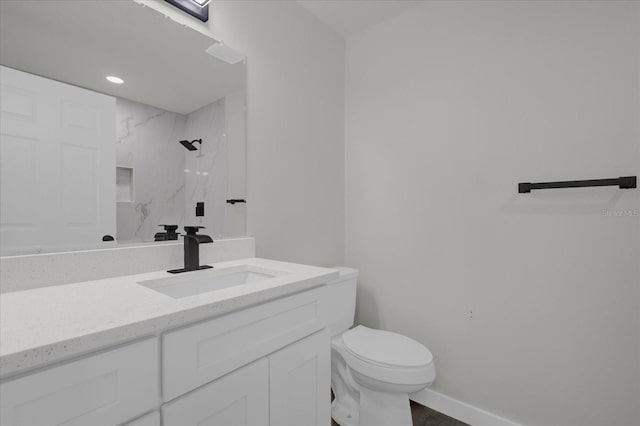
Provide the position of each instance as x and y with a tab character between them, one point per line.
342	297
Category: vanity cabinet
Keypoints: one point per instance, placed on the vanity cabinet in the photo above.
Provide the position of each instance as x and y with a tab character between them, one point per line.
109	388
287	388
264	365
200	353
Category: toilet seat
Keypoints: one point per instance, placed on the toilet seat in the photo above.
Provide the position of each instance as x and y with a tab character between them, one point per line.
387	357
386	348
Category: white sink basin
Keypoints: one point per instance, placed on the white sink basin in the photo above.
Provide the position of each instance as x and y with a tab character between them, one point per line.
206	280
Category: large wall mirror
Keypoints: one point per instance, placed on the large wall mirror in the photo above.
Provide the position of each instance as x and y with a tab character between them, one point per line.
115	121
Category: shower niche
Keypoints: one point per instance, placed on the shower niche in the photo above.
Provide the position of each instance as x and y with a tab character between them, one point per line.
124	185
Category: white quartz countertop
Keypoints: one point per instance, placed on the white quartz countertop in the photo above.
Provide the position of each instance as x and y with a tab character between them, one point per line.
48	324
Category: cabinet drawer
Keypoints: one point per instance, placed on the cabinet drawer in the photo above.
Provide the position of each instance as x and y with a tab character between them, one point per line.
240	398
105	389
201	353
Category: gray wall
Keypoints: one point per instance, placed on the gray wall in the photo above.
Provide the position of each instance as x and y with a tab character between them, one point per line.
529	303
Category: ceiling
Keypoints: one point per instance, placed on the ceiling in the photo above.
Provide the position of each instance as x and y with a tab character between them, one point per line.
349	17
163	63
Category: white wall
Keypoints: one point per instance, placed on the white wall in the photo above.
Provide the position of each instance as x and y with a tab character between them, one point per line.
529	303
295	129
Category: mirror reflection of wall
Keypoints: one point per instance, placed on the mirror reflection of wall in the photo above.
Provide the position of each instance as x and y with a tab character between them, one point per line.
84	158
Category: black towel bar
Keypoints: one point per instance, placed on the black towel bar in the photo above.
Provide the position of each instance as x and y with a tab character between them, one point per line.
233	201
626	182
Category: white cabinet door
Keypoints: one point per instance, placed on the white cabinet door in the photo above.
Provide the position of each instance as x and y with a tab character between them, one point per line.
240	398
300	383
57	164
199	354
101	390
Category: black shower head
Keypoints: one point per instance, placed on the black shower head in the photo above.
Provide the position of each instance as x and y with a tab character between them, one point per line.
189	145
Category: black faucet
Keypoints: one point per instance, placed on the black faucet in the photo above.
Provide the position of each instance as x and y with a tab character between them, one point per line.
192	241
168	234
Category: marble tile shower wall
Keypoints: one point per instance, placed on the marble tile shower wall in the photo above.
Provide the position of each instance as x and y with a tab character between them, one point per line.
168	180
147	141
206	169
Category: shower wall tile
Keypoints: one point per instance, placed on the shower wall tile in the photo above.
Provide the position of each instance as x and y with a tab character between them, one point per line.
147	141
206	169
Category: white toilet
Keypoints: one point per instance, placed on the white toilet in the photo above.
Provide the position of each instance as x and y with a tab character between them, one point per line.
372	371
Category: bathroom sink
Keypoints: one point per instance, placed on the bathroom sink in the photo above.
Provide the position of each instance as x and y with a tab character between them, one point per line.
204	281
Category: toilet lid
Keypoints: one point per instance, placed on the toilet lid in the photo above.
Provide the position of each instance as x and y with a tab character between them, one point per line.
385	347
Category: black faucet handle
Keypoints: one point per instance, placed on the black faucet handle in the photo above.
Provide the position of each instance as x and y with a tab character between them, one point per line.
169	227
192	230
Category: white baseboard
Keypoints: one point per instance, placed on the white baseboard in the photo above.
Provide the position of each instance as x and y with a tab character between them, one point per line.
459	410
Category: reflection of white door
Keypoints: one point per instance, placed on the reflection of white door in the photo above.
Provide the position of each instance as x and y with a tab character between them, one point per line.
57	164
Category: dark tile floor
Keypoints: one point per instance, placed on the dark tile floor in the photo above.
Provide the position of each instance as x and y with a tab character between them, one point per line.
423	416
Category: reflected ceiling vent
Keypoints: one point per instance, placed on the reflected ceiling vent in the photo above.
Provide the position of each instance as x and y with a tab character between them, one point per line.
225	53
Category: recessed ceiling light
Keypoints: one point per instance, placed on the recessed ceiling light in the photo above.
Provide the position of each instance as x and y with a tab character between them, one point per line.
114	79
201	3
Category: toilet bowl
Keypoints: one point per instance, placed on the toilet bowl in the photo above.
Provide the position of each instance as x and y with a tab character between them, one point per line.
372	371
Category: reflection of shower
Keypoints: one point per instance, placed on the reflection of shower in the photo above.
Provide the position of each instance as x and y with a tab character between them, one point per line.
189	145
